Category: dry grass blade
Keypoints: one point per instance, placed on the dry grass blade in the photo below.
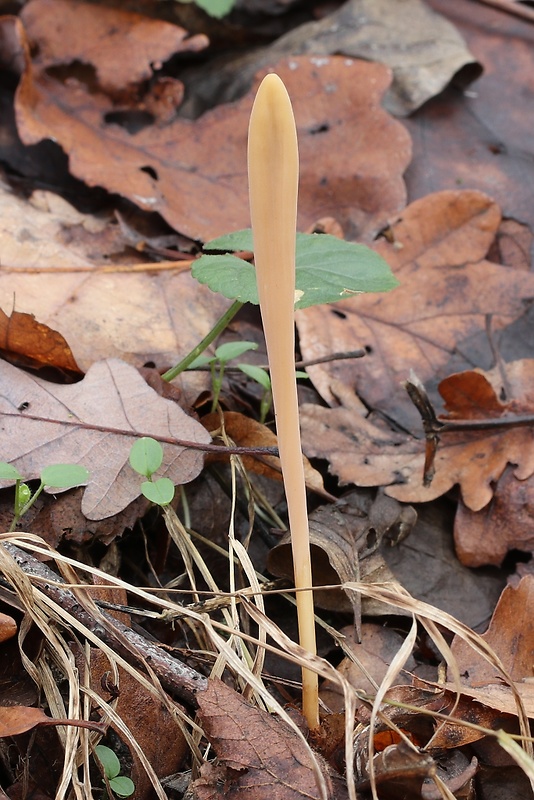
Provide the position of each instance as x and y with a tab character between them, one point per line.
424	612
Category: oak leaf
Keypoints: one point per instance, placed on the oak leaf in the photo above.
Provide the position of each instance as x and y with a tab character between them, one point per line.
193	172
369	454
94	423
259	755
511	637
437	249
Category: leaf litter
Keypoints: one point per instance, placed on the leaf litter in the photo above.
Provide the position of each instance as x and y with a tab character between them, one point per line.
460	320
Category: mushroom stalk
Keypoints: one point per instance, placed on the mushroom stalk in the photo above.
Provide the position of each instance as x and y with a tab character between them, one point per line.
273	169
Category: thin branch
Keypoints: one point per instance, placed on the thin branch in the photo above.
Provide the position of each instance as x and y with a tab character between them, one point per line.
177	678
209	448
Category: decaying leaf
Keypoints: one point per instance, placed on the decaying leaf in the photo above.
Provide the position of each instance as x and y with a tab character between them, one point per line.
248	432
187	171
511	637
372	657
482	139
70	30
366	454
437	251
342	537
257	753
505	523
30	343
94	423
15	720
423	50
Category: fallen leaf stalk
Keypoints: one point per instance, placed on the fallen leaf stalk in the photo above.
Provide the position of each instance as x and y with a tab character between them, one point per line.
273	168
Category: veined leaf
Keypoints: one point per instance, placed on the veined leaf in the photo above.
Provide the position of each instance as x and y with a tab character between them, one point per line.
327	269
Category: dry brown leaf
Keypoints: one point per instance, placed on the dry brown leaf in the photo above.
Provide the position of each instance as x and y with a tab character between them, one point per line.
8	627
432	52
365	454
482	139
259	755
69	30
94	423
506	523
375	651
511	636
248	432
446	291
137	316
15	720
342	536
189	171
29	343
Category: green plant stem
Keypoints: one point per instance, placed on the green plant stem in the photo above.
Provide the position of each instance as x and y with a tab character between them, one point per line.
19	513
217	329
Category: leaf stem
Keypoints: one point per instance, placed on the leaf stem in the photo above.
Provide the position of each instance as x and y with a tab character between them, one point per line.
218	328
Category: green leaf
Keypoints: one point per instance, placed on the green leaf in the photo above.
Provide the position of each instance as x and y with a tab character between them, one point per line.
230	350
201	361
160	492
216	8
327	269
109	761
230	276
299	374
122	786
9	473
331	269
231	242
146	455
257	374
64	476
22	496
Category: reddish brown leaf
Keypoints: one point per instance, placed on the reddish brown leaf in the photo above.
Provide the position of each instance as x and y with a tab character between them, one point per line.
69	30
94	423
30	343
437	251
187	171
261	755
365	454
506	523
247	432
8	627
15	720
511	636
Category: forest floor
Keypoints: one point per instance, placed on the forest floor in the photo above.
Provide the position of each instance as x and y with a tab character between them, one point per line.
148	612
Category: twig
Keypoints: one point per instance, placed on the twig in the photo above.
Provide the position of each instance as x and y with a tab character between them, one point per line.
299	364
209	448
434	428
177	678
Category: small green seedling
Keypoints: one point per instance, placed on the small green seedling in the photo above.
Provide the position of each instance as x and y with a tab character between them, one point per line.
217	364
146	457
119	784
56	476
262	377
215	8
327	269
